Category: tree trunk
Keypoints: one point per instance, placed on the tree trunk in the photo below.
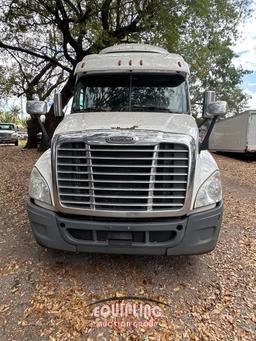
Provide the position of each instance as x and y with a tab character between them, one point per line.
51	122
33	129
32	124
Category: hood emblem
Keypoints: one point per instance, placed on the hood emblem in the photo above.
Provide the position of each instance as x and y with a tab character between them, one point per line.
120	139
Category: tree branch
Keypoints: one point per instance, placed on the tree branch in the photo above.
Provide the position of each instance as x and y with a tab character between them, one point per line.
35	54
20	66
49	91
105	14
63	25
36	79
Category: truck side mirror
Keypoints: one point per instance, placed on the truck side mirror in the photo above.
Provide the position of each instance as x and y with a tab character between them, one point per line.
209	97
213	108
57	105
219	108
36	108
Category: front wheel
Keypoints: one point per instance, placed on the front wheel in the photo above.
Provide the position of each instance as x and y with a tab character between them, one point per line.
16	143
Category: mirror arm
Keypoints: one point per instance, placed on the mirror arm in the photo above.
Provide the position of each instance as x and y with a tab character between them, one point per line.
45	137
205	144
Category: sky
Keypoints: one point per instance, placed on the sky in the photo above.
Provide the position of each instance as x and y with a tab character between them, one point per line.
245	48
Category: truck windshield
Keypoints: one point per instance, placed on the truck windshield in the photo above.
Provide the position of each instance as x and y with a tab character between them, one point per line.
6	126
131	92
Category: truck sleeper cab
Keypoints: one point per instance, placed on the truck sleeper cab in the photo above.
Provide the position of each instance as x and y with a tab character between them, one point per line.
125	172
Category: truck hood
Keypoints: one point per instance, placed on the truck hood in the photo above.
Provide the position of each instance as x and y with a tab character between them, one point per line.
164	122
7	131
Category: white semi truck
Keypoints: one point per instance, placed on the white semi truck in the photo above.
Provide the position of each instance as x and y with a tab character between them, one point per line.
126	172
236	134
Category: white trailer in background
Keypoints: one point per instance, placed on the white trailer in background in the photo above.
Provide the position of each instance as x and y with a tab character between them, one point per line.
236	134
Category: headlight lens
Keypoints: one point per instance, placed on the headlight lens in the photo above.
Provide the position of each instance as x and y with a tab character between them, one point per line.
38	188
210	192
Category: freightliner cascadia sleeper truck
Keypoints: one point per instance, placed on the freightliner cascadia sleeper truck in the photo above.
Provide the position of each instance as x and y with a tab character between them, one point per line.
126	171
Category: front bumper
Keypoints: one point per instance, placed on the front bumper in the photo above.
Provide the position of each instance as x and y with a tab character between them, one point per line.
194	234
8	139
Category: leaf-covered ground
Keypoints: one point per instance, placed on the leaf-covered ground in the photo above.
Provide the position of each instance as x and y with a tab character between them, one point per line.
44	294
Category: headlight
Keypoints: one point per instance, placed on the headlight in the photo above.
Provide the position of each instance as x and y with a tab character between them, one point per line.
38	188
210	192
14	134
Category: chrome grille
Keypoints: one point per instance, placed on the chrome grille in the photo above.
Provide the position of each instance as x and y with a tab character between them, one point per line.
122	177
5	135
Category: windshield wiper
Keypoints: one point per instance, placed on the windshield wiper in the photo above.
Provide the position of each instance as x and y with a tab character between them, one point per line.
152	108
91	109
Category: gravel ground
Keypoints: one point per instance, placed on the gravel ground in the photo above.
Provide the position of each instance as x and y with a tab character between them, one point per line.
44	294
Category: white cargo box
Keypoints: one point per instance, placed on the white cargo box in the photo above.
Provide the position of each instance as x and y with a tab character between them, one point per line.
235	134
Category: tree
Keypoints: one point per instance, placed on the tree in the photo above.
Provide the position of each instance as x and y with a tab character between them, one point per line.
15	111
46	39
6	117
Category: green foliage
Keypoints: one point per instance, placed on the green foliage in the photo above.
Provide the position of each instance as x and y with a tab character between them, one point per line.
12	116
206	35
22	143
46	39
22	122
15	111
7	117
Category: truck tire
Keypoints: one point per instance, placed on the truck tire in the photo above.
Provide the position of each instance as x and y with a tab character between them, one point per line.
17	143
